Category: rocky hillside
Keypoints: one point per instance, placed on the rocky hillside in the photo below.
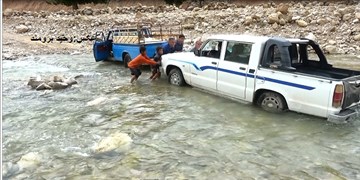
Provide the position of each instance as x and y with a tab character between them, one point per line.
335	25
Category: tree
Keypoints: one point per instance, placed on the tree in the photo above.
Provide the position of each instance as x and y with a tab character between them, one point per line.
75	3
176	2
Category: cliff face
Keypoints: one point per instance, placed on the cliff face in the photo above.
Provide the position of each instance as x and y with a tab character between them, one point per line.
39	5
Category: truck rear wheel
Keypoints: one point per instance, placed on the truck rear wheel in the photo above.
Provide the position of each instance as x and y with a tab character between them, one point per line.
176	77
272	102
127	59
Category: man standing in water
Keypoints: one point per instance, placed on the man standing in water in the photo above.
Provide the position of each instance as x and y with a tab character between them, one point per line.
156	69
180	43
170	46
134	65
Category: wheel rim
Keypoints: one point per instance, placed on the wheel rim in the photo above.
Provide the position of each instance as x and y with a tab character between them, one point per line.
175	79
271	103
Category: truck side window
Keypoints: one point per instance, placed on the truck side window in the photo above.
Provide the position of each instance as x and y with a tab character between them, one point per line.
238	52
274	57
312	56
212	49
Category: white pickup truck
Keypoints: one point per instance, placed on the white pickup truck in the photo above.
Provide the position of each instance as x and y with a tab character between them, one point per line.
274	73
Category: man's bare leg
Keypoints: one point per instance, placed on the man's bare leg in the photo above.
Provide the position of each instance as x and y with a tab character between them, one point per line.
133	79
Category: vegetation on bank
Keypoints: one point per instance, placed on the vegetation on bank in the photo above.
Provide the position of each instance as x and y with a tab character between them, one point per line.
75	3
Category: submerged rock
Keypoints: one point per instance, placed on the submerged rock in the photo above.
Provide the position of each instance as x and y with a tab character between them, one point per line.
53	83
117	141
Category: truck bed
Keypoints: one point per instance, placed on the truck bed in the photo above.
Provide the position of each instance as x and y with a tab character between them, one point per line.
328	72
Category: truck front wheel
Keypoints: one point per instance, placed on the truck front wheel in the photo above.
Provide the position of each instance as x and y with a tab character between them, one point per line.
176	77
272	102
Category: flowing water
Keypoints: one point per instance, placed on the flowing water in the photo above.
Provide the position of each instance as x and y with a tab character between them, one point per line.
106	128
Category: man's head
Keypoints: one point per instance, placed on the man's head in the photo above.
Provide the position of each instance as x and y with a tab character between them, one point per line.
198	43
172	42
181	39
159	50
143	50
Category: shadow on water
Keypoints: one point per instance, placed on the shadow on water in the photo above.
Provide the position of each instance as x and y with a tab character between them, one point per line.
176	133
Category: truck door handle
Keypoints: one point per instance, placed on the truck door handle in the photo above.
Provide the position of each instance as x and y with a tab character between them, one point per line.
214	63
242	68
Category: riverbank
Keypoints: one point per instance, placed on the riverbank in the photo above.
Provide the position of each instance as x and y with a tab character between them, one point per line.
335	25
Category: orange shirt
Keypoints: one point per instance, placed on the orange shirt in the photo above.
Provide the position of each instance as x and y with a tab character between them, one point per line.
139	60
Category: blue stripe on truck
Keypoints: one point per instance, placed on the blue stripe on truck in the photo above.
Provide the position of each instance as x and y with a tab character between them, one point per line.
286	83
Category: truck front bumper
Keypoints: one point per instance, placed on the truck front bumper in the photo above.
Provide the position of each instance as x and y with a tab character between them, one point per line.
346	115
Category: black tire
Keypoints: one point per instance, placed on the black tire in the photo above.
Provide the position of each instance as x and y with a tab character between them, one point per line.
127	59
272	102
176	77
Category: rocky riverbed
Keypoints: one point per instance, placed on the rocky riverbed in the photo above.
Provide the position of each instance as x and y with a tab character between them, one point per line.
336	26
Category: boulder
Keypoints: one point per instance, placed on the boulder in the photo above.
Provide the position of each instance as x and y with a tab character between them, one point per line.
301	23
321	21
57	79
22	29
357	15
35	82
88	11
347	17
331	49
311	36
58	85
43	86
283	8
70	81
332	42
248	20
282	22
8	12
273	18
357	37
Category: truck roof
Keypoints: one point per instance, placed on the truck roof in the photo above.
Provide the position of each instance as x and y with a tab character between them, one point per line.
253	38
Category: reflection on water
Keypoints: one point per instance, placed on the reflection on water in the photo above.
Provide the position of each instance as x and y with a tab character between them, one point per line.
151	130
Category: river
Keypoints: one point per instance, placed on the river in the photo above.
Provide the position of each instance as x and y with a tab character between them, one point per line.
157	131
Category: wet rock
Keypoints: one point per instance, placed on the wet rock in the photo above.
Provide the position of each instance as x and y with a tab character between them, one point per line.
78	76
96	101
70	81
9	169
57	79
301	23
29	160
34	82
43	86
58	85
22	29
117	141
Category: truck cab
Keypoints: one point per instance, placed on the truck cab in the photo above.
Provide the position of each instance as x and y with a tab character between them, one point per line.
272	72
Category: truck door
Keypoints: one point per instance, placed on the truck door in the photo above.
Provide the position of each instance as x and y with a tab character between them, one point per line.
204	75
232	70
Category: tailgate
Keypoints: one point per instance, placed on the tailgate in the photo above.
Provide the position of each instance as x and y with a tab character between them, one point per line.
352	91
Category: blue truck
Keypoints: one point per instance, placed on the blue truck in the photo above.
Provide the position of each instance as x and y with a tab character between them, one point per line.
122	44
